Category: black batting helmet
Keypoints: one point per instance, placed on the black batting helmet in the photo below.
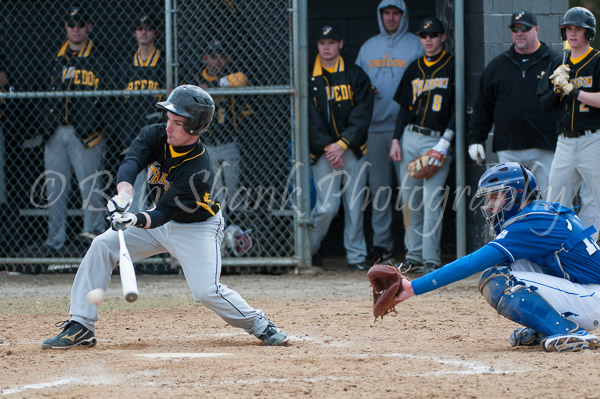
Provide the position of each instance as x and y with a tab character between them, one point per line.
579	16
193	103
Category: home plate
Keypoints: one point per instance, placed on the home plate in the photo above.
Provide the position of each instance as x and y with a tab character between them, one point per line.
181	355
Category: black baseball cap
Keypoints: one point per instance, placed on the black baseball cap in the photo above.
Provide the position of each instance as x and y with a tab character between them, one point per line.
76	14
523	17
329	32
431	25
144	20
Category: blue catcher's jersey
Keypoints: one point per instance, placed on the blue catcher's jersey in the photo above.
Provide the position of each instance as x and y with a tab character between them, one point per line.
553	237
545	233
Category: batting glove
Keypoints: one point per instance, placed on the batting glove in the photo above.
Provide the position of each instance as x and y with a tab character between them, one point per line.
119	203
122	220
567	88
563	70
442	147
477	153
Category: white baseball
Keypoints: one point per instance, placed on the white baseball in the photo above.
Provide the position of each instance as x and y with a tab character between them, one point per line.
95	296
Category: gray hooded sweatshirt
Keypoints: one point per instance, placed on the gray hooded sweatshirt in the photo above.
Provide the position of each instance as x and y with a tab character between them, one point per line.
384	58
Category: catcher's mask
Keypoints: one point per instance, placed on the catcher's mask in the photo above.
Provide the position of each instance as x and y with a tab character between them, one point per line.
192	103
516	186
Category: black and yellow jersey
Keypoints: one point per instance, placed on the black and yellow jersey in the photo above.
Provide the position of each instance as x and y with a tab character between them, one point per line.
141	74
80	71
427	90
179	178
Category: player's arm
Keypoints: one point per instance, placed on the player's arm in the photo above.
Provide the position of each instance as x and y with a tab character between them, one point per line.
396	148
318	130
403	96
485	257
156	217
359	119
591	99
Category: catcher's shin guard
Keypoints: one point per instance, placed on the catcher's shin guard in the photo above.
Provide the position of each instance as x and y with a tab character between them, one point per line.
521	304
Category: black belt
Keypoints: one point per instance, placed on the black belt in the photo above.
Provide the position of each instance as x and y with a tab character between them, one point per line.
424	130
574	135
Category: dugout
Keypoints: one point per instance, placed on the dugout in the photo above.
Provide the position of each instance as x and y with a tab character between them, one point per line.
261	35
486	35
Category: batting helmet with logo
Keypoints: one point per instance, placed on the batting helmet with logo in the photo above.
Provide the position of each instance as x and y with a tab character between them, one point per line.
579	16
193	103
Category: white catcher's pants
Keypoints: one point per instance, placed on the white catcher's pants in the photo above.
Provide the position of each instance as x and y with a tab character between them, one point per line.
582	300
197	246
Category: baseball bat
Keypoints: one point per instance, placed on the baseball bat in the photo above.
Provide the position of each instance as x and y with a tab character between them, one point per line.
565	57
566	51
128	280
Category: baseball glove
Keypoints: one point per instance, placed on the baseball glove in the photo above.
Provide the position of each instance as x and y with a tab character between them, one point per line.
426	165
386	281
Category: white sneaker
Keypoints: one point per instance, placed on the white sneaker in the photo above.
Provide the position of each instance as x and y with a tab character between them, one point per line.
572	342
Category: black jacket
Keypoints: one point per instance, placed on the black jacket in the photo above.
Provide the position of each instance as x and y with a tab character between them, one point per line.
345	115
507	97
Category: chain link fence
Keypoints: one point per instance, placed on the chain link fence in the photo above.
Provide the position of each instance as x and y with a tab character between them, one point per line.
65	119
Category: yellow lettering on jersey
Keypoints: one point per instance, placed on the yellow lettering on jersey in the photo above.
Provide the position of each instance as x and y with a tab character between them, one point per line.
143	84
155	176
80	77
417	88
420	85
206	199
583	81
339	93
68	73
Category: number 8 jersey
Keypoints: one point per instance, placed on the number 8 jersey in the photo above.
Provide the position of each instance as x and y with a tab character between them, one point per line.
427	90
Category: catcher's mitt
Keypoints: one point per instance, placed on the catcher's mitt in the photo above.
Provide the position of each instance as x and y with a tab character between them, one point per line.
386	281
423	167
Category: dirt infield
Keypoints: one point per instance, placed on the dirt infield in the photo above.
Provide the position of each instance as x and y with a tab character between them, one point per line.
445	344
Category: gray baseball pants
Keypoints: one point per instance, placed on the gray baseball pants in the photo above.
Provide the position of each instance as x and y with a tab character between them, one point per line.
197	246
381	184
334	186
423	201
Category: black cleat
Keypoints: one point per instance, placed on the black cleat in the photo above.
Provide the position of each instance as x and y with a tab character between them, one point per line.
273	335
379	255
73	334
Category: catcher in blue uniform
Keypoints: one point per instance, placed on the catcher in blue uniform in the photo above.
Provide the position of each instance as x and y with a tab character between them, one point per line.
542	270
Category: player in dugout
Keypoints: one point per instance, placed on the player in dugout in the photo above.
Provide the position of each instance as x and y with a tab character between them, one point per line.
542	269
185	222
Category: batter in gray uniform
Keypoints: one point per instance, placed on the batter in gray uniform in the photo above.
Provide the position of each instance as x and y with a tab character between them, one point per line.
185	222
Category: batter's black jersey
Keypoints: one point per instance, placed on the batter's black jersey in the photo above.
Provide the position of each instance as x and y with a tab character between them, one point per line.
139	111
573	115
230	111
427	89
178	179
